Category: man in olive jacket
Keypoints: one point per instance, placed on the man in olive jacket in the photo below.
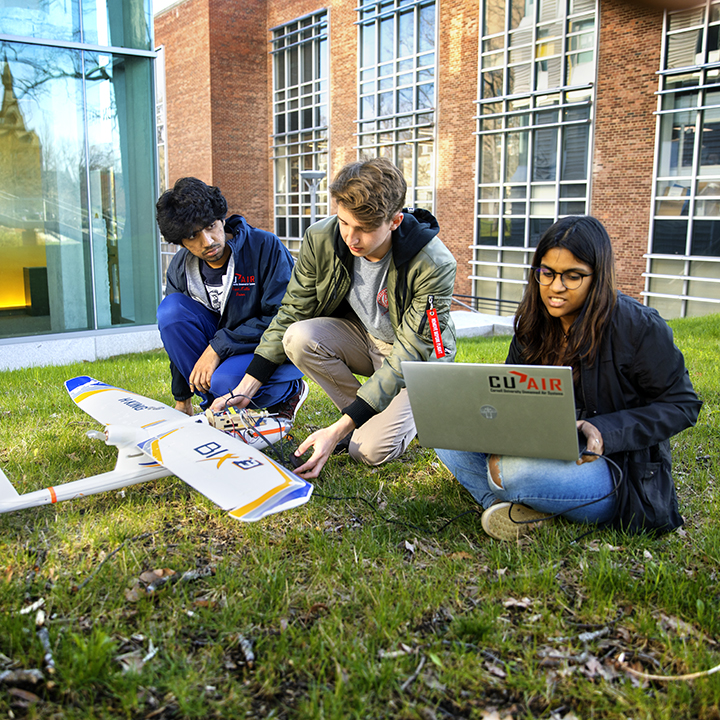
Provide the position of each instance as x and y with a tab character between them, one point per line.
371	288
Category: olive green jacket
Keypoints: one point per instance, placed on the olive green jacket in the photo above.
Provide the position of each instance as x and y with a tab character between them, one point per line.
421	274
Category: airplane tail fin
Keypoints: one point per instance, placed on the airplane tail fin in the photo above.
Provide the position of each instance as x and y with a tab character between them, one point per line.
7	491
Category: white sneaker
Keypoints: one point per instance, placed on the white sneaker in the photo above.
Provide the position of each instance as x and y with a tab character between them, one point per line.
510	521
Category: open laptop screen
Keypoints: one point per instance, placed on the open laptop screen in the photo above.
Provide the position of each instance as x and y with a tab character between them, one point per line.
519	410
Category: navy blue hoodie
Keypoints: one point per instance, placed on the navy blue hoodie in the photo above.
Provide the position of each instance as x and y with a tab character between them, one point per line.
261	267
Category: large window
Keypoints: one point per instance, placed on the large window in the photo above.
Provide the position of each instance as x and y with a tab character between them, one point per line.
537	70
77	173
300	108
398	62
683	275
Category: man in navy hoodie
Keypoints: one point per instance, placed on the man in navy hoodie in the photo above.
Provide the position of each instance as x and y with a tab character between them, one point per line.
223	288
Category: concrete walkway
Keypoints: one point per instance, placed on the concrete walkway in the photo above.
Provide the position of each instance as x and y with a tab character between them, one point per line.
472	324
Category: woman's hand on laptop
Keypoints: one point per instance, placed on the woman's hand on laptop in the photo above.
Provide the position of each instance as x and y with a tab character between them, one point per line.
593	442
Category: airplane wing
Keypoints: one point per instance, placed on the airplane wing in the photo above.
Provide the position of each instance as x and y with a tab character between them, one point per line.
111	405
234	475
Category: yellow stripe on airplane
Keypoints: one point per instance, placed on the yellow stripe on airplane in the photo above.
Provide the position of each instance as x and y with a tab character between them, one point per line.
239	512
155	445
90	393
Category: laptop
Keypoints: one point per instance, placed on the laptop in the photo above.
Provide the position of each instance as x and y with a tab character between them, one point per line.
520	410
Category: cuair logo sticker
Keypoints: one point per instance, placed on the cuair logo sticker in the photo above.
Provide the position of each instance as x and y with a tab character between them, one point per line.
525	384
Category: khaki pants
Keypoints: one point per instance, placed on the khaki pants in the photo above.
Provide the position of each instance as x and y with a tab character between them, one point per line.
331	351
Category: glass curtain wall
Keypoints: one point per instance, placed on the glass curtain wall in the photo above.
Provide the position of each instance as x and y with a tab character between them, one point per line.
537	71
300	116
398	67
78	244
683	271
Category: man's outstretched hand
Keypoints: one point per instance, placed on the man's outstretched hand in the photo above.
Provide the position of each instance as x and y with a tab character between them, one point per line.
323	443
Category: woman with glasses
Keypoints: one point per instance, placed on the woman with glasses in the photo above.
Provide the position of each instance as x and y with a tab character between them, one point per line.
632	393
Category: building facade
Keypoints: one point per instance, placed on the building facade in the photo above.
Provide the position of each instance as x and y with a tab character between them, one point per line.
78	181
502	115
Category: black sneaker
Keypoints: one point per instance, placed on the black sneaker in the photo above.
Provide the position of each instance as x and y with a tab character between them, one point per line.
289	408
343	446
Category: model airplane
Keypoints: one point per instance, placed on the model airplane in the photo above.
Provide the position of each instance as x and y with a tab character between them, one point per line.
153	441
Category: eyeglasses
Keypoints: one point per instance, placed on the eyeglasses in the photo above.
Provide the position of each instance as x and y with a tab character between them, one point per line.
571	279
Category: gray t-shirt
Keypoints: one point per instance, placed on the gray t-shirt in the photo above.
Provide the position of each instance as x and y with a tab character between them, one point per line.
368	296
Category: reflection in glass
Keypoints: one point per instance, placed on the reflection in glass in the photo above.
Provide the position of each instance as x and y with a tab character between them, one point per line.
544	154
516	157
706	238
38	19
426	31
387	39
76	256
677	143
493	17
43	204
406	36
710	139
104	22
120	173
669	237
490	154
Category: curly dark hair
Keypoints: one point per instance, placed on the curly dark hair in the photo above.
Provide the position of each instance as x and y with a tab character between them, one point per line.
373	191
190	206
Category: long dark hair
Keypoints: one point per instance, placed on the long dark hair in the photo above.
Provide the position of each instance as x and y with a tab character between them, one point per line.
540	335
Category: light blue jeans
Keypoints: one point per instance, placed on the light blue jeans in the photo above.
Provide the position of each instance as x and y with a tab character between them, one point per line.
549	486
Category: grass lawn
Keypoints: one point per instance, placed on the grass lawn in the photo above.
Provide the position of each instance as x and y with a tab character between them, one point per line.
360	607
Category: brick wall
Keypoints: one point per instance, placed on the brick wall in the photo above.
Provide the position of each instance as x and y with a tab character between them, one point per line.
455	154
183	30
630	42
238	76
217	110
219	107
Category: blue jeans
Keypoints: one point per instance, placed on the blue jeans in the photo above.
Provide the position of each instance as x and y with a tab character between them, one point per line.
549	486
186	328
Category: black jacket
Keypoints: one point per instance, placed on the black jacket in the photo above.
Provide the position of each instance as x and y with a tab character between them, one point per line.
638	394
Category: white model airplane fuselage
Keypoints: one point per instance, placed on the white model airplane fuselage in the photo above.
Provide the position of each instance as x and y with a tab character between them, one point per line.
154	441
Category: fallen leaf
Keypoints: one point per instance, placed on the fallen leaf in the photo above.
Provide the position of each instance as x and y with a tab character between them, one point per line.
135	593
495	669
14	677
131	662
525	603
28	697
432	682
151	576
462	555
32	608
